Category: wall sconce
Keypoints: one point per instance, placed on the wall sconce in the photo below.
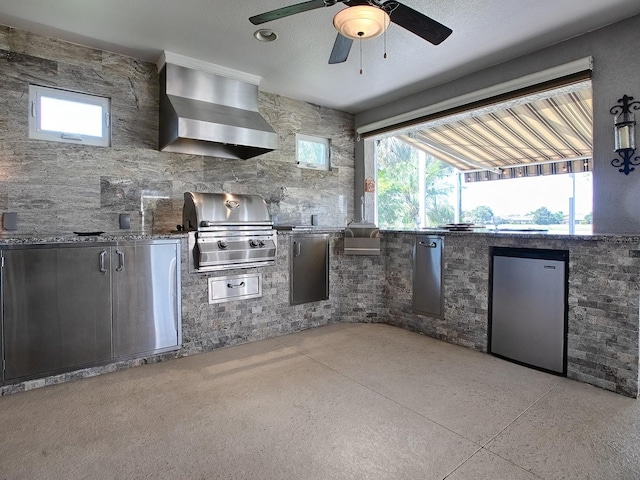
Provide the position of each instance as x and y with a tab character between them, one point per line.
624	125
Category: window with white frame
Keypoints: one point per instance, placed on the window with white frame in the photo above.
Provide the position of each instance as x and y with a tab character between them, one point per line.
64	116
313	152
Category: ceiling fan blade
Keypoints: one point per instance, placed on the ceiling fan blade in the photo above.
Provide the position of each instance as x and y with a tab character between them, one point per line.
420	24
341	48
290	10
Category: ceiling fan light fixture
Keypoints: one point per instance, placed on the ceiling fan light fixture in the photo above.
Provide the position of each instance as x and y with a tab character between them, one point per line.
362	21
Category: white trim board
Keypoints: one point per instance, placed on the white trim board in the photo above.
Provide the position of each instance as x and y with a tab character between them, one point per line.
194	63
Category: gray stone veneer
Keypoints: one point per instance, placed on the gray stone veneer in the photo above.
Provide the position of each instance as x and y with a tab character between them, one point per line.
58	187
206	327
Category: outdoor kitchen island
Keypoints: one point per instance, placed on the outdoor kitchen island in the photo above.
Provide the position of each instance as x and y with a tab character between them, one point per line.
603	298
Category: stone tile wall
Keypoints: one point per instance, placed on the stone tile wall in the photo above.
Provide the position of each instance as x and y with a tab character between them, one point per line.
356	287
206	327
466	290
360	286
57	187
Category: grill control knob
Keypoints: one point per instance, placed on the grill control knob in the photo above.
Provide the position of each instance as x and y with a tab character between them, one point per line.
222	245
253	243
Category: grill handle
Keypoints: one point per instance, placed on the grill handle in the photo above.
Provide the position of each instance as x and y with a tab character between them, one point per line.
231	285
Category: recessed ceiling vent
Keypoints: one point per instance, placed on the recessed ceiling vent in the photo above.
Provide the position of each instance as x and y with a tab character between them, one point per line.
206	114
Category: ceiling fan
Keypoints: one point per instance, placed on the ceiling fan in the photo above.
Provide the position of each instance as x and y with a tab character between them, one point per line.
367	25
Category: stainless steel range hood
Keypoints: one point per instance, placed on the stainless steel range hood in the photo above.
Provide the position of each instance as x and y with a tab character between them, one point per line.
206	114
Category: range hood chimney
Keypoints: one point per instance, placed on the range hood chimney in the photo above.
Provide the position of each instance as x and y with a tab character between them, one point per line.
202	113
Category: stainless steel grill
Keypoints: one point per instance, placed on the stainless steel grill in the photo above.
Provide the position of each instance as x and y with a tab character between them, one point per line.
228	231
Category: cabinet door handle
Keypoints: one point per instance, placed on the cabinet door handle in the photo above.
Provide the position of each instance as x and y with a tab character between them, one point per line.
430	245
296	249
101	257
120	261
231	285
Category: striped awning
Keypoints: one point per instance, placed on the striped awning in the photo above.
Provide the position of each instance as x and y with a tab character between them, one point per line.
550	127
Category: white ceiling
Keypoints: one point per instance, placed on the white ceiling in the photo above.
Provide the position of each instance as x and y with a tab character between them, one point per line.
485	32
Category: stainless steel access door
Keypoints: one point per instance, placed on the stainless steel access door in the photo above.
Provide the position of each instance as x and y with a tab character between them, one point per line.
309	268
528	310
57	309
146	299
427	275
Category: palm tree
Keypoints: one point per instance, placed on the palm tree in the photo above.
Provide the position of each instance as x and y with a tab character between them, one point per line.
438	210
398	186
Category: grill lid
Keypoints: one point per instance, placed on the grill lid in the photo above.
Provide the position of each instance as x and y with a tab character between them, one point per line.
220	210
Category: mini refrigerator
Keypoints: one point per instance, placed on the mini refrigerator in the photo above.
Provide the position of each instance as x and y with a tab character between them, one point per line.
528	307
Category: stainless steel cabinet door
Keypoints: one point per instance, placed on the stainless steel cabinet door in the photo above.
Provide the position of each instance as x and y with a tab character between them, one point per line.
309	272
57	309
145	298
427	275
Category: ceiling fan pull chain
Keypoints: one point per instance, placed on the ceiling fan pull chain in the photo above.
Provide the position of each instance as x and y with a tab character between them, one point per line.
360	42
384	34
385	44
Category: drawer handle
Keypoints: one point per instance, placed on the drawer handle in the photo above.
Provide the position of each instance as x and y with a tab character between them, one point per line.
231	285
430	245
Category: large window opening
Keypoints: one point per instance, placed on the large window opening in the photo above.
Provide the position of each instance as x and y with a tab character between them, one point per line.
523	164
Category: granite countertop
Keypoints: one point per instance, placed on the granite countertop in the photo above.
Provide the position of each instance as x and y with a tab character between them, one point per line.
507	233
14	238
11	238
284	229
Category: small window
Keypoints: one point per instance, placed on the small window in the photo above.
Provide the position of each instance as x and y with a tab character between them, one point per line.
63	116
312	152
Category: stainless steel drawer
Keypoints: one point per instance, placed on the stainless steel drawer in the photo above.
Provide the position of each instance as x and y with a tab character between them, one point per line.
361	246
236	287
